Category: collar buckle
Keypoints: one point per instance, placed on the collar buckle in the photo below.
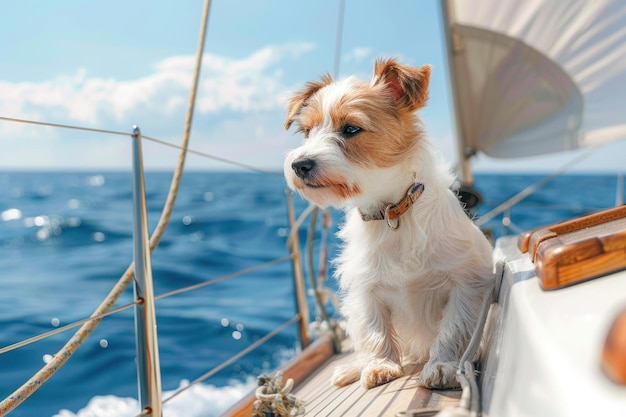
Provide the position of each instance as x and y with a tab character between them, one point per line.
394	211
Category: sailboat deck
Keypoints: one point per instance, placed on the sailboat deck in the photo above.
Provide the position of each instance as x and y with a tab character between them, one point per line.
399	396
312	371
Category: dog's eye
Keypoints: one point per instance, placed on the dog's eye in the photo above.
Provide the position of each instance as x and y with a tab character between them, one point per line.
350	130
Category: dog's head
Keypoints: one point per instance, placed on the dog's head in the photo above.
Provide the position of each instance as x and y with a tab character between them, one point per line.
357	134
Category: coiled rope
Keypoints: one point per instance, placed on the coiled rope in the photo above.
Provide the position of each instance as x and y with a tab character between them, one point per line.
28	388
274	399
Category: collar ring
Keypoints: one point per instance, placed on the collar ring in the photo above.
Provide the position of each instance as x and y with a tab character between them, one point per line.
392	225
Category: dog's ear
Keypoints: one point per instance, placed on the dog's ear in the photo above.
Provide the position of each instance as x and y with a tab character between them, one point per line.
299	99
408	85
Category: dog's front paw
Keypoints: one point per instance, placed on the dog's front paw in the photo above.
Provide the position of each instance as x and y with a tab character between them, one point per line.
379	373
346	375
439	375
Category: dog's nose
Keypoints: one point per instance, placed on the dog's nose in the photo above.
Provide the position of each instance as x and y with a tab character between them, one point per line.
303	167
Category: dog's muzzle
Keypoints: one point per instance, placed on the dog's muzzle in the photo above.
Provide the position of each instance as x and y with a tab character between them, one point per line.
303	167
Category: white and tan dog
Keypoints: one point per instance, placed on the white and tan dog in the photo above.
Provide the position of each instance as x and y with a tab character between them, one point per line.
413	268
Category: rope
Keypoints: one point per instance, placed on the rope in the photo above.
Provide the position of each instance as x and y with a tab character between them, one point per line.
64	126
318	290
236	357
148	138
274	399
30	386
293	234
338	38
27	389
534	187
62	329
129	305
214	157
469	405
222	278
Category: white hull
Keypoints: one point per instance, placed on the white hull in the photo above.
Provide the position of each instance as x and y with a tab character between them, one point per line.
544	348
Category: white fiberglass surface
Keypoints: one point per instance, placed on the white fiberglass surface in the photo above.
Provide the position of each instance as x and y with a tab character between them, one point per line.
548	358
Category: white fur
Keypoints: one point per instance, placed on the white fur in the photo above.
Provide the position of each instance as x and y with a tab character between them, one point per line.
414	294
408	295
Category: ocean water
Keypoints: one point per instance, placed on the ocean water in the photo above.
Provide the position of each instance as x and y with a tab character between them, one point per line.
66	238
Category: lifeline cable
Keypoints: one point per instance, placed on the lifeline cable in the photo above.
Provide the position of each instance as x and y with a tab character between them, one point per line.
30	386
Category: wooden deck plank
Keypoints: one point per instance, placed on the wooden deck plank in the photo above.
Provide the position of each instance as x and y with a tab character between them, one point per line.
396	397
372	401
321	399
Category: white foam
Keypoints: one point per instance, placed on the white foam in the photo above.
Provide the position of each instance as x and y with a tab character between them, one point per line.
198	401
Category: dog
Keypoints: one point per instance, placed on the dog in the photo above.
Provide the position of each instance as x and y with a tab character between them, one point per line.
413	268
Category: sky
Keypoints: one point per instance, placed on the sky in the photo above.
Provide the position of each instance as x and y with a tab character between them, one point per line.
111	64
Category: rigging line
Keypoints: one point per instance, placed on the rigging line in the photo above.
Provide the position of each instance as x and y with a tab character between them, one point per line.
62	329
298	223
237	356
213	157
149	138
41	376
64	126
317	289
59	359
339	38
222	278
309	245
531	189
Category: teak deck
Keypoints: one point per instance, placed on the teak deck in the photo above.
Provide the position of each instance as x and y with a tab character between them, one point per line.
321	399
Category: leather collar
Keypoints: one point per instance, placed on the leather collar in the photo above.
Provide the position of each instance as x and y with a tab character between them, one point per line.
394	211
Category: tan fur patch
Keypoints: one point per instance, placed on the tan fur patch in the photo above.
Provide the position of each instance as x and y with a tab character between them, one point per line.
299	99
409	85
387	134
383	109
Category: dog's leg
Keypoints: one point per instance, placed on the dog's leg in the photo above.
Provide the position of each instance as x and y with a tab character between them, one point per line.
455	330
372	372
379	372
373	336
346	374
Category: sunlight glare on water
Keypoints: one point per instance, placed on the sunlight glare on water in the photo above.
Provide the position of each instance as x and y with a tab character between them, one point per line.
11	214
96	180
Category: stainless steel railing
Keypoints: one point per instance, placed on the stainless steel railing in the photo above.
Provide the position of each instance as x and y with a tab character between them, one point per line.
140	270
148	366
146	334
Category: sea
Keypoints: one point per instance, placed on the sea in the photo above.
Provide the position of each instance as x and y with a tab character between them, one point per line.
66	238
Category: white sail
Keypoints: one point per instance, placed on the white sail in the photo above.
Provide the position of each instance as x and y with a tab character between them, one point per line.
536	76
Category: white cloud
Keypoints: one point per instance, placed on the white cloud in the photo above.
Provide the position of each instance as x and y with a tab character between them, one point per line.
157	102
246	84
358	54
252	83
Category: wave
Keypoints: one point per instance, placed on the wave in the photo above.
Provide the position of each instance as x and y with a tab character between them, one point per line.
198	401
